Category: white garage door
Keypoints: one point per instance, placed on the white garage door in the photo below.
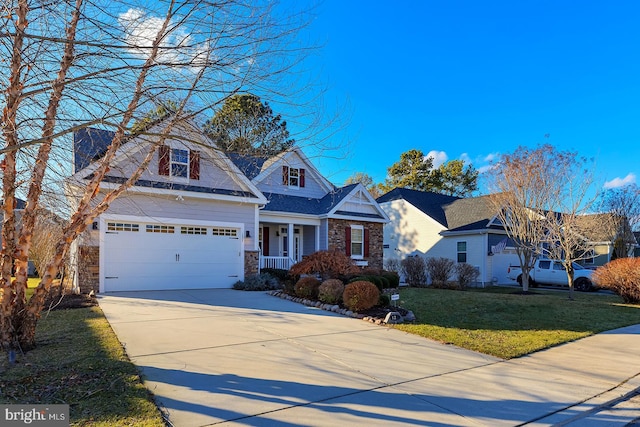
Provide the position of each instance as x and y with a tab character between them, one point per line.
147	256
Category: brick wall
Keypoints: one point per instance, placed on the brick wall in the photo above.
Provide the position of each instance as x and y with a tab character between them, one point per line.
251	262
89	269
337	239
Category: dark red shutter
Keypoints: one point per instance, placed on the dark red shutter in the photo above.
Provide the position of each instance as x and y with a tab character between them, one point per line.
285	175
347	240
265	241
194	165
366	243
301	177
163	160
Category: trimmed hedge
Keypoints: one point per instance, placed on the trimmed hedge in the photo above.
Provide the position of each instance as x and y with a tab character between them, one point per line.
360	295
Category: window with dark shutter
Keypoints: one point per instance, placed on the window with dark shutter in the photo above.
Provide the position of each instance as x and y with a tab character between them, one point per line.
366	243
194	165
164	153
301	177
285	175
347	240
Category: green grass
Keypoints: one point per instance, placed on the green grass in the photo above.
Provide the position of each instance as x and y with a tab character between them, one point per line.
80	362
498	322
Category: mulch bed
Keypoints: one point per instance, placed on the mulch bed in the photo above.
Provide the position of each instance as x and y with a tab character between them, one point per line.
70	301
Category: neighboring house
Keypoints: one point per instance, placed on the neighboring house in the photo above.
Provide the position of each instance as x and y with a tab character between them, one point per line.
436	225
198	218
602	231
468	230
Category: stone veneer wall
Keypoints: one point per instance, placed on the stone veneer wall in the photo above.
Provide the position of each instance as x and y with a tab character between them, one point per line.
89	269
251	262
337	239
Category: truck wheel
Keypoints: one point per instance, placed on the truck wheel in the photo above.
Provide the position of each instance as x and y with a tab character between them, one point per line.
583	285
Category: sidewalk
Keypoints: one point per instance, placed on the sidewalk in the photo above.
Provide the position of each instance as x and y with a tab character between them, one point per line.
245	358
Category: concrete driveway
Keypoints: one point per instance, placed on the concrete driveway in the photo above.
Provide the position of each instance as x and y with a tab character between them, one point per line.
247	358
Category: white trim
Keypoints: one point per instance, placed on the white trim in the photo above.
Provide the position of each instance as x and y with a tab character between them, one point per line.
361	228
284	217
260	200
359	188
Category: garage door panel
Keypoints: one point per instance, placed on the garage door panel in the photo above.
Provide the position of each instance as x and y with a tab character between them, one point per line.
159	260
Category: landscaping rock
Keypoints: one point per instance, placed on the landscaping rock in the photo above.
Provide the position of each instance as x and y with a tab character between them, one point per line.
393	318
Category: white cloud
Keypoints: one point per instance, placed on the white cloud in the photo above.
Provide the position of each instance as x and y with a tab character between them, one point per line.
465	158
621	182
439	157
491	157
178	47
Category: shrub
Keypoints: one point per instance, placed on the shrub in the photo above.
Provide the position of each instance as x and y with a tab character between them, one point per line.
384	300
258	282
376	280
393	278
393	265
307	287
439	269
330	291
413	268
278	273
328	264
621	276
466	274
360	295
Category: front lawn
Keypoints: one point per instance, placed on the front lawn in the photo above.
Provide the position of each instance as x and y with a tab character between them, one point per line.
80	362
499	322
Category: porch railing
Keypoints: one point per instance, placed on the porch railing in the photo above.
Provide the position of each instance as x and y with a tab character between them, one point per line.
279	262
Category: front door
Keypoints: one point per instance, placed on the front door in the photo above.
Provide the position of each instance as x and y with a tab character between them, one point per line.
284	244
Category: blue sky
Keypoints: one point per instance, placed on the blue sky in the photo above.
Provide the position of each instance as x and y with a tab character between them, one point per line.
472	80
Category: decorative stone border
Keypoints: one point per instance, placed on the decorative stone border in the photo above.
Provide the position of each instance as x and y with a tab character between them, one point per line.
343	311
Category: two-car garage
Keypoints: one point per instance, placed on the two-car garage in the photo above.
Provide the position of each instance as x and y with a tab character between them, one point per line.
169	254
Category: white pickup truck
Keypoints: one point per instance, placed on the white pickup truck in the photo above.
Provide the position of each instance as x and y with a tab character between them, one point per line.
550	272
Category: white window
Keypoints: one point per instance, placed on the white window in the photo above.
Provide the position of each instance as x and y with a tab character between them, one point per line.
231	232
294	177
357	241
193	230
462	251
179	163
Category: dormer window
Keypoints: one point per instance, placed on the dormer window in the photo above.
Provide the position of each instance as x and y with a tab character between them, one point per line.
179	162
292	177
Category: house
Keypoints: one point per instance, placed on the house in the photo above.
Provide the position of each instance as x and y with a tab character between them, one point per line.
198	218
436	225
468	230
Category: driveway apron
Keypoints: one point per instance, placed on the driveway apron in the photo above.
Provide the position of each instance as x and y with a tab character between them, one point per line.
247	358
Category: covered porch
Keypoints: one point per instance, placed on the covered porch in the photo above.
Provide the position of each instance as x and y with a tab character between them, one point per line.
283	244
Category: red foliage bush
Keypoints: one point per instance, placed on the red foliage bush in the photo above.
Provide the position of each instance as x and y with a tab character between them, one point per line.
328	264
330	291
361	295
621	276
307	287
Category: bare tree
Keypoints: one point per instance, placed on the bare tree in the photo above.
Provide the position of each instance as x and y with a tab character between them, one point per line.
523	184
623	205
47	233
69	65
569	221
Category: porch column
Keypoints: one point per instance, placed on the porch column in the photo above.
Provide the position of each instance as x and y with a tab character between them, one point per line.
290	240
317	230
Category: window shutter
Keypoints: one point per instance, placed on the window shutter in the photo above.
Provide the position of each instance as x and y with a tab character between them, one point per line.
285	175
163	160
265	241
301	177
366	243
194	165
347	240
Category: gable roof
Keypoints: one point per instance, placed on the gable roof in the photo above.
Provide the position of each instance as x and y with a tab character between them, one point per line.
469	214
249	165
90	144
325	206
428	202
